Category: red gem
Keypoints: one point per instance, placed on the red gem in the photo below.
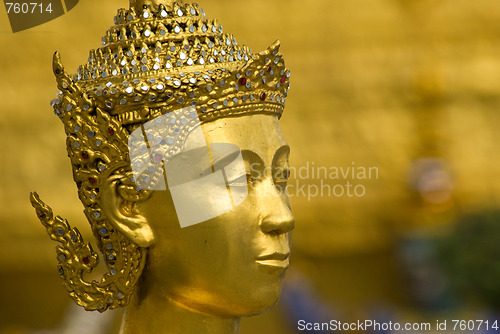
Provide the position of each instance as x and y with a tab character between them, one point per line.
283	79
86	260
263	96
158	157
92	180
243	81
111	131
85	155
269	69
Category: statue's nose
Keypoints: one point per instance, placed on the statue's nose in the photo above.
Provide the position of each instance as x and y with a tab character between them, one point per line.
277	217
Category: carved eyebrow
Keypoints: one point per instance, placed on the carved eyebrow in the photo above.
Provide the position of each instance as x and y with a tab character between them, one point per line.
248	156
251	155
285	149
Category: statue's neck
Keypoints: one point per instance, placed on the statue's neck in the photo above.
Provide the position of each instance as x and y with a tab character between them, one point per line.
156	314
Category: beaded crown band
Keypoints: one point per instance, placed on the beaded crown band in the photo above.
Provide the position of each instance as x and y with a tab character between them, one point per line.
160	56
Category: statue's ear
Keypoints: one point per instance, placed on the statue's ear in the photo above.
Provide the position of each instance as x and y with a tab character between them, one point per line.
125	215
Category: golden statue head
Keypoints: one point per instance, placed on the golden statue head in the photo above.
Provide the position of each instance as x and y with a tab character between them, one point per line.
166	101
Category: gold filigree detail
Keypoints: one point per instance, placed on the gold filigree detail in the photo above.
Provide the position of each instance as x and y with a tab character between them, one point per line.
75	258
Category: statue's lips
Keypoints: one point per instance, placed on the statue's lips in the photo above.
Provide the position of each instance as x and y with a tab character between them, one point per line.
275	260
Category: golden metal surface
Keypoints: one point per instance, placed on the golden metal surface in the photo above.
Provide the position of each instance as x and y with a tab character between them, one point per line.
162	56
362	77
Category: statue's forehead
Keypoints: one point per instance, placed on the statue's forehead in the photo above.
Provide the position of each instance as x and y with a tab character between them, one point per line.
259	134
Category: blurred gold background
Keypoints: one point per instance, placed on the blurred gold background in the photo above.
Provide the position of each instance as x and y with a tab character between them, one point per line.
381	83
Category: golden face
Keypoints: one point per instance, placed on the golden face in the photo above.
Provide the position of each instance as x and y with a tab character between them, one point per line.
232	265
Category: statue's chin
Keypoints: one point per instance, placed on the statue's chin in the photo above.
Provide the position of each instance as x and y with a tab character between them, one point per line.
260	300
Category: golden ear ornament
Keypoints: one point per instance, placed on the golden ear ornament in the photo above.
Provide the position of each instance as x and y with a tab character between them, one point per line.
124	259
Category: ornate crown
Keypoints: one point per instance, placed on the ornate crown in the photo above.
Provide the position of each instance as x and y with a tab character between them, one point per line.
160	56
170	55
